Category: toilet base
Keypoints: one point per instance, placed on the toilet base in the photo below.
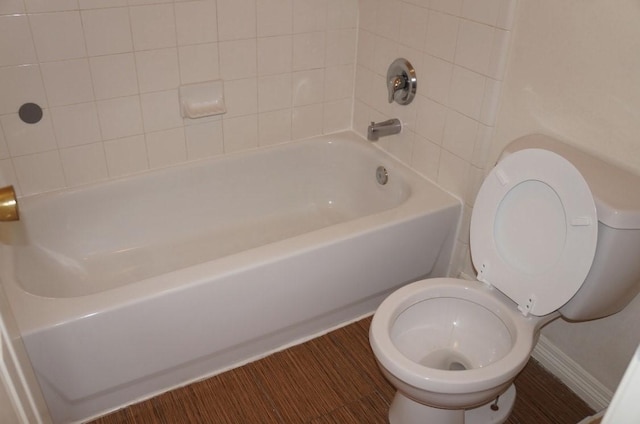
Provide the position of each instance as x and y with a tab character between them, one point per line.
406	411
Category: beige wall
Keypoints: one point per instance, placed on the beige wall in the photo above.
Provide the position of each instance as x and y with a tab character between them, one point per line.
574	73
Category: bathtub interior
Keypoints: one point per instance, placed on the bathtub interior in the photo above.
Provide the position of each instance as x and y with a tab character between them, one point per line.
83	241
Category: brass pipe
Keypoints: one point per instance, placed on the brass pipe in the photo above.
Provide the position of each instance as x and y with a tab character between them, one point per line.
8	204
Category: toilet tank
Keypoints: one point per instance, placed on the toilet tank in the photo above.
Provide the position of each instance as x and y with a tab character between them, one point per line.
614	278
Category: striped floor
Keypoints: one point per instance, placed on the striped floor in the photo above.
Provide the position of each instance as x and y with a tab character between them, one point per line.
330	379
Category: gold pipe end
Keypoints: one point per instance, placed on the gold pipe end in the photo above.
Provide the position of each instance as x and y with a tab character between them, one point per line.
8	204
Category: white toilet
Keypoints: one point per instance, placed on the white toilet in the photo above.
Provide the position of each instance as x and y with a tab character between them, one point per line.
554	232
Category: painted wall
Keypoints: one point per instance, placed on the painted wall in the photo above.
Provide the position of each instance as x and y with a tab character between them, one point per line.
107	73
574	73
459	50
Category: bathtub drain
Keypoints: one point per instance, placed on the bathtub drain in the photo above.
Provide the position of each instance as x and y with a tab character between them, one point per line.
382	175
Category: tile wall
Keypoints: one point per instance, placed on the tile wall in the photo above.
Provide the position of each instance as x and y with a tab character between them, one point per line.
107	74
459	50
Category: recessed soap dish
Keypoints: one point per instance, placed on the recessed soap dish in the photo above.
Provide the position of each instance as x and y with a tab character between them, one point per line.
202	99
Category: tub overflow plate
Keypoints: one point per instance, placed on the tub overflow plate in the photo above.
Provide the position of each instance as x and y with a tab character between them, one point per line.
382	175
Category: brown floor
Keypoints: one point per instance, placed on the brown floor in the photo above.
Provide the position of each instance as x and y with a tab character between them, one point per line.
331	379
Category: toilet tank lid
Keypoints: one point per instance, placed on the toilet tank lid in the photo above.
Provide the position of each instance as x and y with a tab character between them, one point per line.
616	191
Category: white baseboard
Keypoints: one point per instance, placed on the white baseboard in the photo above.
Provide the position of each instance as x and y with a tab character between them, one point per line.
576	378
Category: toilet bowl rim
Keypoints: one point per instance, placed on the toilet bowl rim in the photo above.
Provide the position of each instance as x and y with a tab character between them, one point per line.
523	331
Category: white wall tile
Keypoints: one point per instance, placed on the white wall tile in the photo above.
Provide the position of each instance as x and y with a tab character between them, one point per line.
120	117
484	11
126	156
158	69
467	92
107	31
308	87
204	139
114	76
274	17
342	14
166	148
236	19
68	42
4	149
199	63
241	97
274	92
308	51
76	124
431	119
196	22
436	78
413	26
39	172
307	121
339	82
240	133
24	139
153	26
16	43
309	15
388	19
426	157
442	35
460	135
84	164
18	85
238	59
274	127
8	175
337	116
475	46
160	110
67	82
453	173
341	47
275	55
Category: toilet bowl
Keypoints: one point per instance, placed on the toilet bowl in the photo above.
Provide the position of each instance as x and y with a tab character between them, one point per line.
453	347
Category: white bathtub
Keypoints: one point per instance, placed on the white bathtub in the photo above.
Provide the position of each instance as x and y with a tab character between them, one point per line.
127	288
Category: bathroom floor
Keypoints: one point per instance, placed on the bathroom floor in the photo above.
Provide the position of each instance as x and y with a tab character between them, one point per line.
330	379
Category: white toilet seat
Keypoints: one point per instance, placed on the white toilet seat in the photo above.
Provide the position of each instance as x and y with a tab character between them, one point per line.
534	230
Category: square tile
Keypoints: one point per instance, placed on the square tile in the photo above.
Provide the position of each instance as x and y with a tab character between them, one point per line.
39	172
114	76
460	135
442	34
19	85
67	82
309	51
16	43
240	133
341	47
153	26
68	42
166	148
238	59
467	92
204	140
76	124
196	22
274	17
338	82
307	121
199	63
337	116
84	164
126	156
237	19
39	6
274	92
107	31
309	15
275	55
120	117
308	87
274	127
342	14
475	46
25	139
241	97
158	69
160	110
